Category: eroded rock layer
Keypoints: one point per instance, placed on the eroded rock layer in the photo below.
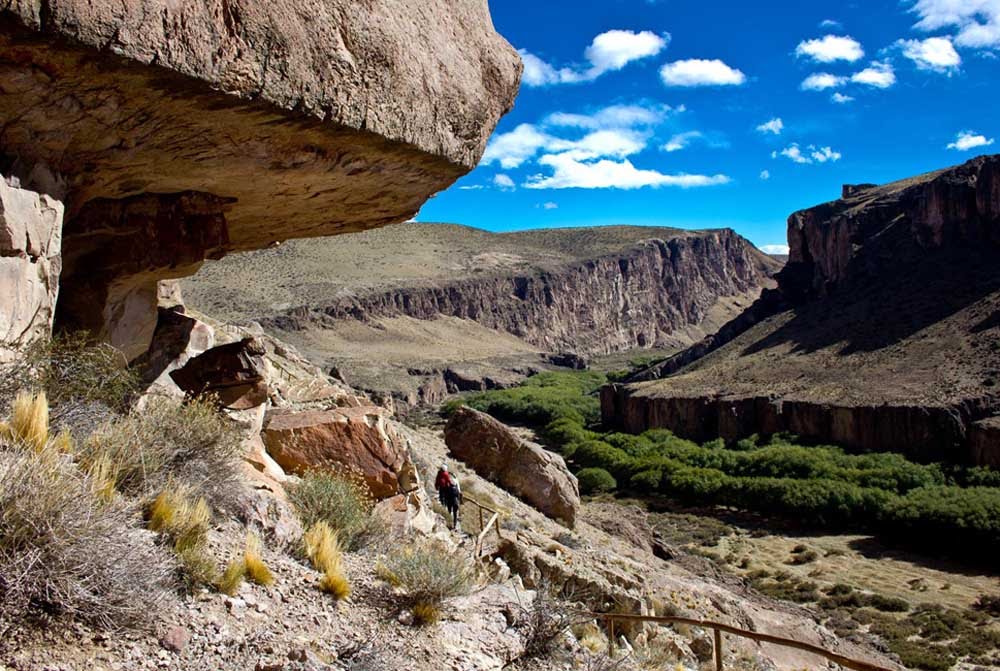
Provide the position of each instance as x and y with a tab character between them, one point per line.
882	334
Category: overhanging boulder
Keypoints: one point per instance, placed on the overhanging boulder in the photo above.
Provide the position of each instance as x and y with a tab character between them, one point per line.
256	121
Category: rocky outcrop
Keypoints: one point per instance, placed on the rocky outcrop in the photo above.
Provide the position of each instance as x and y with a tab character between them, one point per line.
640	297
525	469
30	262
984	442
353	439
176	131
880	336
235	375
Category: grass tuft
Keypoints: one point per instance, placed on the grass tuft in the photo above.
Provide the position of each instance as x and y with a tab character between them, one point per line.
29	421
342	501
428	573
426	613
254	566
322	547
232	578
184	524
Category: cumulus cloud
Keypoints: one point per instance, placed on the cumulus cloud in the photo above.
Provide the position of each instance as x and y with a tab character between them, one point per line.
504	182
811	154
765	175
700	72
977	22
592	150
934	53
569	173
774	126
681	141
968	139
841	99
609	51
821	81
781	250
879	74
831	48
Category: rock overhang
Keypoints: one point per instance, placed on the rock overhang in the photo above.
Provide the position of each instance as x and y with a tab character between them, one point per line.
295	118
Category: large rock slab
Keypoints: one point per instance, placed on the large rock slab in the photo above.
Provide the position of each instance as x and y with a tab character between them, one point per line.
30	243
187	130
236	374
525	469
358	439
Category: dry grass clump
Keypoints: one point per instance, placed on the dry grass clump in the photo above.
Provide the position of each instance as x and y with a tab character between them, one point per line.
428	574
85	381
255	568
65	552
184	523
322	547
191	443
232	577
548	618
343	501
29	422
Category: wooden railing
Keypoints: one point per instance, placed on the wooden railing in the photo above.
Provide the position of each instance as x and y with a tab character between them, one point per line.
484	526
718	628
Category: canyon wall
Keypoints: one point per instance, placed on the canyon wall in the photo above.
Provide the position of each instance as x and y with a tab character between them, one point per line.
637	298
881	334
175	132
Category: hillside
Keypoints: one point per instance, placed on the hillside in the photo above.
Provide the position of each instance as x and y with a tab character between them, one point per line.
420	309
881	335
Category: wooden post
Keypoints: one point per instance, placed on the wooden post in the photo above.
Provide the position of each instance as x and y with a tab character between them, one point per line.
611	637
718	650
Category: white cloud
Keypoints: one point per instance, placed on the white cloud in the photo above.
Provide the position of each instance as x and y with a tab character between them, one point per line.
615	116
977	21
681	141
699	72
615	49
774	126
609	51
831	48
830	23
569	173
602	143
781	250
504	182
512	149
968	139
812	154
550	206
934	53
879	74
841	99
821	81
765	175
471	187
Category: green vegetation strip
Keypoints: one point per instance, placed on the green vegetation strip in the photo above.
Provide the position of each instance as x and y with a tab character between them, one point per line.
947	505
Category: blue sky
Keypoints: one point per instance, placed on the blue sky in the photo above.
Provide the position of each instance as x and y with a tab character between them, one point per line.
729	113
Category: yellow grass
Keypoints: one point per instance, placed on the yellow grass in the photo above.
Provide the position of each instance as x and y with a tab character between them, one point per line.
63	443
426	613
232	577
30	420
255	568
325	554
103	479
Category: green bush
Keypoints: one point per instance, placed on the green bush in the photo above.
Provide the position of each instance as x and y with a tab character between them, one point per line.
342	500
596	481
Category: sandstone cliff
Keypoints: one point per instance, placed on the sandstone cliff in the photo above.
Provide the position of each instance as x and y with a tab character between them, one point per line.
881	335
176	132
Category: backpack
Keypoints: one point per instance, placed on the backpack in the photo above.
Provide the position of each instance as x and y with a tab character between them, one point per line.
443	481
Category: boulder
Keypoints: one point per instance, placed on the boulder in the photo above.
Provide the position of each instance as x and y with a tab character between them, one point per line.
527	470
178	338
178	130
236	374
358	439
30	262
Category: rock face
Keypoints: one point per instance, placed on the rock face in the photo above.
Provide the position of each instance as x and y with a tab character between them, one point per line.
235	374
30	262
639	297
532	473
881	335
174	130
984	442
354	438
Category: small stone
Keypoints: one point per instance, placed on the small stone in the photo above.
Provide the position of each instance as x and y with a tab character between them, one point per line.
175	639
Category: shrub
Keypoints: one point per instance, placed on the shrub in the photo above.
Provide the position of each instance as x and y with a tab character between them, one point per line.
192	444
988	603
64	553
596	481
341	500
428	574
322	547
647	481
547	619
255	567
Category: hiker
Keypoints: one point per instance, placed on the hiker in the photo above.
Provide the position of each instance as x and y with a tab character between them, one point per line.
449	493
